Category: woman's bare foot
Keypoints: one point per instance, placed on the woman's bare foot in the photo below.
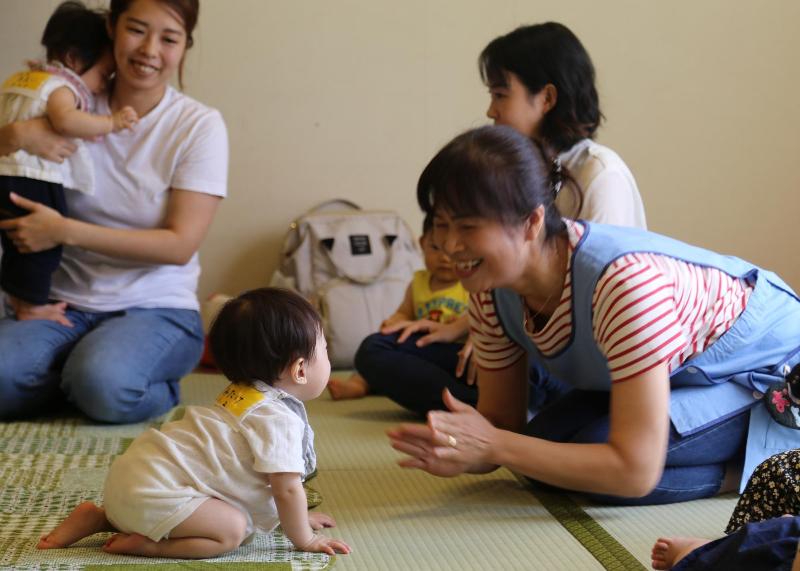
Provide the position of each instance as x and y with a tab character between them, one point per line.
85	520
667	551
130	544
354	387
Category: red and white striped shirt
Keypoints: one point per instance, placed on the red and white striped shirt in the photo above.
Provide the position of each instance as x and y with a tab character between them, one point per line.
646	309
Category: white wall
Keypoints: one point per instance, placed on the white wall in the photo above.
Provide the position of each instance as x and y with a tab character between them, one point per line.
350	98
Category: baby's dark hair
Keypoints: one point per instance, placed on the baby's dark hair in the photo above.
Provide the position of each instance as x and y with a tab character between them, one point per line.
257	335
76	31
427	223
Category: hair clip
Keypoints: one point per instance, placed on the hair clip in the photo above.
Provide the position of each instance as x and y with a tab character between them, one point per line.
557	182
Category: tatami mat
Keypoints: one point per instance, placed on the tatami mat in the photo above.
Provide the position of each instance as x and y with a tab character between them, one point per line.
408	520
636	528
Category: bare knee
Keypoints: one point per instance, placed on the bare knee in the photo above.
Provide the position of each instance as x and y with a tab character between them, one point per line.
218	521
234	532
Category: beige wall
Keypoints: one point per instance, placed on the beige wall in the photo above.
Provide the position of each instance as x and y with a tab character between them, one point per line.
350	98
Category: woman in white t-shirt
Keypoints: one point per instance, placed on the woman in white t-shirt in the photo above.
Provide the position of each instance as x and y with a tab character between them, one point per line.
542	83
131	327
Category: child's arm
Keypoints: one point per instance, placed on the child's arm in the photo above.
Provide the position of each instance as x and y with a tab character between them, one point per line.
68	120
402	315
290	499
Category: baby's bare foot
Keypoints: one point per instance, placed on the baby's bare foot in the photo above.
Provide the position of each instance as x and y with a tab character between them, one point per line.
85	520
129	543
667	551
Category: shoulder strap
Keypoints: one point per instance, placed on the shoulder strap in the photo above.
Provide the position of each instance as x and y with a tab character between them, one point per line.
508	306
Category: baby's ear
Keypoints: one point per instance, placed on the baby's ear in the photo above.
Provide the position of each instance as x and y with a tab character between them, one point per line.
298	371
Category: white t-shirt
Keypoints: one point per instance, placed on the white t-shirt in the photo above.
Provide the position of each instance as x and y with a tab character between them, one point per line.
610	194
180	144
224	452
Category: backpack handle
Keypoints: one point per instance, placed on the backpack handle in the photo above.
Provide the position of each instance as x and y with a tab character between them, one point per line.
289	246
332	203
366	280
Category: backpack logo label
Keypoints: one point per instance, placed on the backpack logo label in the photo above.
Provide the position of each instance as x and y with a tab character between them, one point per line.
359	245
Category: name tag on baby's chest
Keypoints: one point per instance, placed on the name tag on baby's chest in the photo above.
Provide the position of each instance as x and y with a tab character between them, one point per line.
27	82
236	399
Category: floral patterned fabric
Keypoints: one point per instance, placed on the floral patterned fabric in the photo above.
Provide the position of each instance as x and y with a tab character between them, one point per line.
773	490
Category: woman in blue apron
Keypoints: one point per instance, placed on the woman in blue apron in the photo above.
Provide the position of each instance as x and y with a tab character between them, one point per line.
669	348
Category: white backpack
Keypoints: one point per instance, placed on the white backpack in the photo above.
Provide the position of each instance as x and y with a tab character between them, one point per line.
353	265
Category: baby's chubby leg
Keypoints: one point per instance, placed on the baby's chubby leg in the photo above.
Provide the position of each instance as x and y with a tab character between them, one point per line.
85	520
214	528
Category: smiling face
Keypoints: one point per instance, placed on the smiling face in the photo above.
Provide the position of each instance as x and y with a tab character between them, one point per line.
513	105
149	45
486	254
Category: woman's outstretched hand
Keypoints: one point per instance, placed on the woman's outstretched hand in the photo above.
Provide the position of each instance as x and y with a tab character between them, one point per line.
452	443
34	232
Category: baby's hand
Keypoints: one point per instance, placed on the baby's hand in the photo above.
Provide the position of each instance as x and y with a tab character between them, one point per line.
125	118
318	520
323	544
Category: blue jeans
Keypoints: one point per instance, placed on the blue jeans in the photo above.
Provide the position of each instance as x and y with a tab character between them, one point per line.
118	367
412	376
695	464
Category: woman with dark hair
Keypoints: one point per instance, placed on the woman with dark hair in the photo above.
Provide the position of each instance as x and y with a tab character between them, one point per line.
663	343
130	266
542	83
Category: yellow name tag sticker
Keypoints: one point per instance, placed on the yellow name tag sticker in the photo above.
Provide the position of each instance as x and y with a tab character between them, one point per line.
238	398
31	80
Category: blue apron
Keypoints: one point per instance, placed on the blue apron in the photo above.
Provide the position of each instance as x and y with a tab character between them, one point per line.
726	379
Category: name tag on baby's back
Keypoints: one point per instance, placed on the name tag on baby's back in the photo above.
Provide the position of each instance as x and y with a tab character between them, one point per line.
236	399
29	81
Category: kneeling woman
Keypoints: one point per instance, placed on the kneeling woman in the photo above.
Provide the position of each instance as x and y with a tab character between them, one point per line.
667	346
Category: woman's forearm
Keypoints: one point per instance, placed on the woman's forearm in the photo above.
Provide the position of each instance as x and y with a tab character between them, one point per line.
189	215
594	468
36	137
9	139
154	246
